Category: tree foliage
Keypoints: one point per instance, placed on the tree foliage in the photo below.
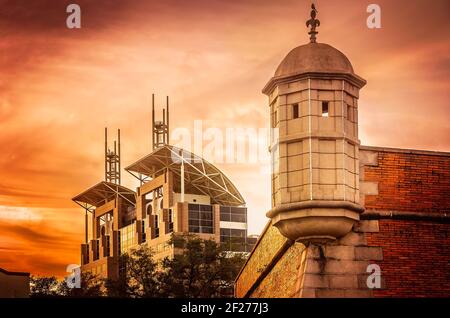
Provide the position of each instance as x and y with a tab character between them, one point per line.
91	286
43	286
199	268
138	277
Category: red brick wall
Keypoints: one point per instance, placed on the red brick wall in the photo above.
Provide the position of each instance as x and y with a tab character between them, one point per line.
413	182
416	253
416	258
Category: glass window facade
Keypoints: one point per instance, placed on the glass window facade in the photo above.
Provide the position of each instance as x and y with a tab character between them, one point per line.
156	225
127	237
201	218
99	271
233	214
96	250
144	236
108	245
170	226
234	239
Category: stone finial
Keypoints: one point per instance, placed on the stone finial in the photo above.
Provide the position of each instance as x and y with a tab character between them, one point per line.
313	23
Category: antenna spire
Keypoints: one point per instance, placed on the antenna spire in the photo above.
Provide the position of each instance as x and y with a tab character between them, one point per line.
160	129
112	160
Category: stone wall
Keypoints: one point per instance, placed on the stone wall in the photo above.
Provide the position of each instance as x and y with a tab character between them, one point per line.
405	230
339	268
288	269
261	260
283	279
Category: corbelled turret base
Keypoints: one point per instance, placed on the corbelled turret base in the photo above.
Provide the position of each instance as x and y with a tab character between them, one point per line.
315	221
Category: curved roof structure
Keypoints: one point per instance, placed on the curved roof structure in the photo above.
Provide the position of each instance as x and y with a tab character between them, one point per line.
313	60
314	57
200	176
103	192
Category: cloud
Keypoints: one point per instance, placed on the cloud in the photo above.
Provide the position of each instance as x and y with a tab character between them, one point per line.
43	244
59	89
18	213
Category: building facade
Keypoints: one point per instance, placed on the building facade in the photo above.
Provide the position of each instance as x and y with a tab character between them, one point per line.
14	284
346	220
179	194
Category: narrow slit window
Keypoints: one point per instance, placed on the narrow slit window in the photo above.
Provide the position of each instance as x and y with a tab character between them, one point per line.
325	111
274	119
295	111
349	113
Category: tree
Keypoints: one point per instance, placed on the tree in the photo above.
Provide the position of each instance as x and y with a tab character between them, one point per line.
139	276
41	286
91	286
201	269
119	287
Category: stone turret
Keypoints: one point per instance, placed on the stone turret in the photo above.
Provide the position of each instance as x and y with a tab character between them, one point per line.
313	101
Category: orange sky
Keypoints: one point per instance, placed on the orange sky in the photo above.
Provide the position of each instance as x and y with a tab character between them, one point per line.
60	87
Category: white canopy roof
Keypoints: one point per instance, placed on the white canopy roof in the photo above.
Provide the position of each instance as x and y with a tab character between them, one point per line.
200	176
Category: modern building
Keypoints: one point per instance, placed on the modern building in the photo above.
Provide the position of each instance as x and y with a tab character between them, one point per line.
180	193
14	284
346	220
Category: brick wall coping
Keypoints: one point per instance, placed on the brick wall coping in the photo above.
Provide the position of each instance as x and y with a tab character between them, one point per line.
404	215
278	255
253	249
410	151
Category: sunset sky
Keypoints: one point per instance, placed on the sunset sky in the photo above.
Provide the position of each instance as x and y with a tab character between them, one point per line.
59	88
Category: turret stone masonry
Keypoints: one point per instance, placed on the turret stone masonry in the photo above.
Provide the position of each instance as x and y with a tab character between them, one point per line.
325	228
315	180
